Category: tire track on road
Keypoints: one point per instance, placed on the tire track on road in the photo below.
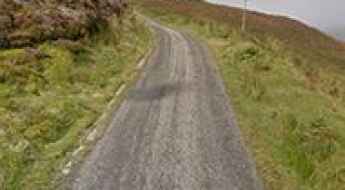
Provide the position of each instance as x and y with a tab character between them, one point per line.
174	131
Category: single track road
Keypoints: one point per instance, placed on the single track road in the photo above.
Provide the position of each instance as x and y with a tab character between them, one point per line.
174	131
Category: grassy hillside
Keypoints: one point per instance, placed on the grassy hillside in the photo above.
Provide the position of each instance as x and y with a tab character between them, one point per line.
50	95
287	85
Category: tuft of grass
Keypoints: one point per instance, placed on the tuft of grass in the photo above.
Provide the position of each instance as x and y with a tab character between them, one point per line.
288	102
49	98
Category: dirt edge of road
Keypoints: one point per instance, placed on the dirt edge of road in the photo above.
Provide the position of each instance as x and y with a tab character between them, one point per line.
90	138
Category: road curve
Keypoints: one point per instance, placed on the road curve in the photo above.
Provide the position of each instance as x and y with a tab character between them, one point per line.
174	131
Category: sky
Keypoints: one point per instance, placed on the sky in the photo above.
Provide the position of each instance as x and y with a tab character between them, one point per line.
327	15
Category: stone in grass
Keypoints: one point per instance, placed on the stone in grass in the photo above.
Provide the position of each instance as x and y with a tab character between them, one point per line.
67	168
20	146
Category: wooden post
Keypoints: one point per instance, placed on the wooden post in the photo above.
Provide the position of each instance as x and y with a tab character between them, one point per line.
244	16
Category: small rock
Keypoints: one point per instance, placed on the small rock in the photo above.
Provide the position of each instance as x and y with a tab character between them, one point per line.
92	135
66	171
20	146
67	168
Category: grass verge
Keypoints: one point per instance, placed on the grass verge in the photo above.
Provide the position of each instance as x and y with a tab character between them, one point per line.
288	98
50	96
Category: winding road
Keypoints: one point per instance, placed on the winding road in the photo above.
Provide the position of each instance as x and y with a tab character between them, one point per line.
174	130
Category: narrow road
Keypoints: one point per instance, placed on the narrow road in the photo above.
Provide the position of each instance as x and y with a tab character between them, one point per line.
174	131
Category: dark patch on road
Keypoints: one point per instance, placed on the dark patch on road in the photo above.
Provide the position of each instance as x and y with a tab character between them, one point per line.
174	131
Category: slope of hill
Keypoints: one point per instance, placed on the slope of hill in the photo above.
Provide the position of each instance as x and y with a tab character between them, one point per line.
52	92
26	22
286	81
291	32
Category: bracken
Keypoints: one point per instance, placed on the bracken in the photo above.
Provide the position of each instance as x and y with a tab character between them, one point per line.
28	22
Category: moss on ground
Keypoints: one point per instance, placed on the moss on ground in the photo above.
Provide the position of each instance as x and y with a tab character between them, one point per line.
50	95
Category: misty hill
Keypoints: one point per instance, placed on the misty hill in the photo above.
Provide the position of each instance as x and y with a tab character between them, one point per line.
340	33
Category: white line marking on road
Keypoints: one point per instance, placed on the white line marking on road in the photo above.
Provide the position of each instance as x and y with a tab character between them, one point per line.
76	152
121	89
141	63
92	135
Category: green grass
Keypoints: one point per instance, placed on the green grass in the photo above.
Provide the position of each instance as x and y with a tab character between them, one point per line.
291	112
47	101
292	129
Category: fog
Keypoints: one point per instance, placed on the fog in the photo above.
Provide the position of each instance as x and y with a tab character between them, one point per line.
326	15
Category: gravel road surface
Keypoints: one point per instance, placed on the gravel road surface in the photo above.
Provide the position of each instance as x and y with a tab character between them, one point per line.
174	130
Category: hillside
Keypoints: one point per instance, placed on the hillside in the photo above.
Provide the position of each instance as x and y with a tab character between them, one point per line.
61	63
294	34
26	22
286	83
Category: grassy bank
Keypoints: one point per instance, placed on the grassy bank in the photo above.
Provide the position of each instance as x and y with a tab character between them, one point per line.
50	96
286	84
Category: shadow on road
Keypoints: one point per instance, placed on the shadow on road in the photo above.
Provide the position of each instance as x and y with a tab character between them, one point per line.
157	92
